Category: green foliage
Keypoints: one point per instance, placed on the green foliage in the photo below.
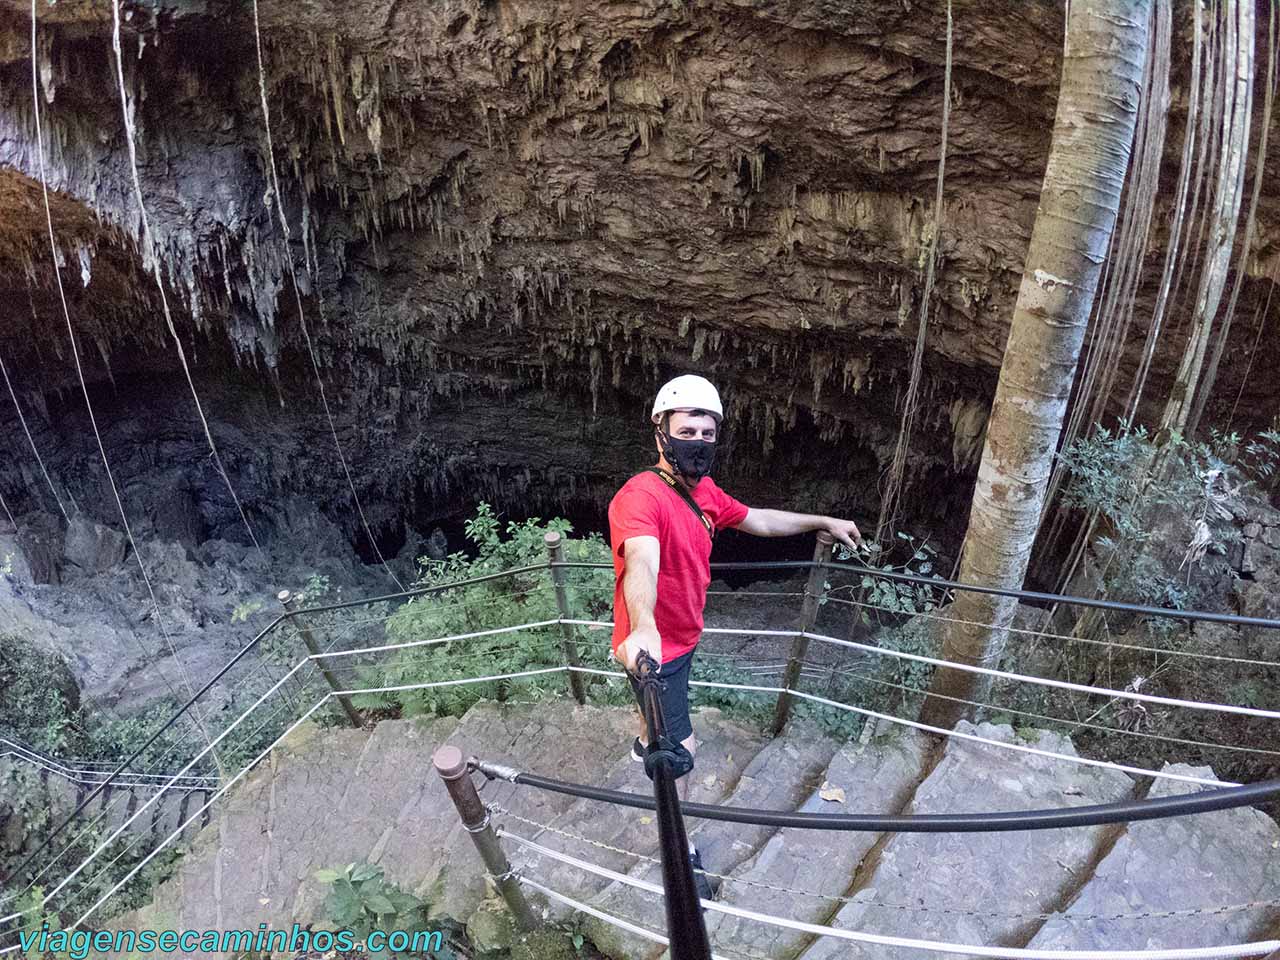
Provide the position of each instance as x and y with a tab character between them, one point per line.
39	699
362	900
1164	508
889	610
1259	457
243	611
503	602
892	596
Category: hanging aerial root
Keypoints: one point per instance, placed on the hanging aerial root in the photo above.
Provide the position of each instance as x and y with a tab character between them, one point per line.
84	387
890	501
1225	215
1211	374
150	253
1175	255
27	430
278	200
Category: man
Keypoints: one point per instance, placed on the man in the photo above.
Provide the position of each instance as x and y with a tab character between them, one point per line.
660	526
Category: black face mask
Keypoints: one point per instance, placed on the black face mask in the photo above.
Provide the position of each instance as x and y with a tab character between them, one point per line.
692	459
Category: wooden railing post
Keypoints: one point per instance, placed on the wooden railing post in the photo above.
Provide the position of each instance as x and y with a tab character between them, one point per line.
313	648
568	633
808	616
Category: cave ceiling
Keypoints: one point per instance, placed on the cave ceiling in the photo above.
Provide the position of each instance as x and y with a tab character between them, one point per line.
511	220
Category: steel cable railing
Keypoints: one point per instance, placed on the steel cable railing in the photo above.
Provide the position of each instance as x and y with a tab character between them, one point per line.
1224	952
352	661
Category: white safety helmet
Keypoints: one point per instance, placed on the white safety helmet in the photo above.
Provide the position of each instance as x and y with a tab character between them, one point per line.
687	392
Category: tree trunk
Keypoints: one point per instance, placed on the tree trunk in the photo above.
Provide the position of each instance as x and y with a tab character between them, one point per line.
1106	49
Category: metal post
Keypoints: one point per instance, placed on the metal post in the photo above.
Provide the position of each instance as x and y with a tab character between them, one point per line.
808	616
308	638
453	771
686	927
555	550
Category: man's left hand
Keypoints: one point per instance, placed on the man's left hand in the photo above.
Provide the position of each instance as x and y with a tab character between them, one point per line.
845	531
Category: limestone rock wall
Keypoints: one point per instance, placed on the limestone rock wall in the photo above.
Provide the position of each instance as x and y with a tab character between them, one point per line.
513	219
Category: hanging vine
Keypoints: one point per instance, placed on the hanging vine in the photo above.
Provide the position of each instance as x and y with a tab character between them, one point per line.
891	498
1228	186
1211	374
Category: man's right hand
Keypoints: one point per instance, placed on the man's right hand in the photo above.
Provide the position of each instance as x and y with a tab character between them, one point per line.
642	638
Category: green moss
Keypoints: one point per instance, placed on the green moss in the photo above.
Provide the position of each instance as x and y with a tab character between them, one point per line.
544	944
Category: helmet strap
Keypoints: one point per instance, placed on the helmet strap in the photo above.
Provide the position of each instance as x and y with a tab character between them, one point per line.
664	441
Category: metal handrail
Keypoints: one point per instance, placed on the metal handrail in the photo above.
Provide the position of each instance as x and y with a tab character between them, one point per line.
1054	818
552	566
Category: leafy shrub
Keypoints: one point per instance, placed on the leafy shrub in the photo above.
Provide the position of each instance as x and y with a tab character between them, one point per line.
362	900
1163	509
39	698
475	607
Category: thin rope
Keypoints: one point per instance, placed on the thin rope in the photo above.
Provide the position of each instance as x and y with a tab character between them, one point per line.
938	731
888	905
30	440
935	946
611	919
293	279
151	253
891	501
457	636
8	513
171	784
1048	635
988	671
550	647
92	774
194	760
208	803
84	387
1001	708
457	683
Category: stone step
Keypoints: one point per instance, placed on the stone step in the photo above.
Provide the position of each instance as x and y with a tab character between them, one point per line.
989	882
877	775
779	777
329	797
1209	860
725	749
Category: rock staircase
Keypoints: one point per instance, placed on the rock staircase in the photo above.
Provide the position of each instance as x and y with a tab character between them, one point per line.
335	796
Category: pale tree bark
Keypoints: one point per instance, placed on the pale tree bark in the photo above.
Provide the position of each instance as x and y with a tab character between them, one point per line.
1106	50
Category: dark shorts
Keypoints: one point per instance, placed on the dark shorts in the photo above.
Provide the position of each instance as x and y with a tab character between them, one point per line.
674	696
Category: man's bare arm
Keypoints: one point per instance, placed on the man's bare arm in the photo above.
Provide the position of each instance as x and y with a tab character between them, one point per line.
640	591
784	523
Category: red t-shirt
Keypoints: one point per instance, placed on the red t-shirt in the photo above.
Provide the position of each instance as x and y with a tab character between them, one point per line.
647	507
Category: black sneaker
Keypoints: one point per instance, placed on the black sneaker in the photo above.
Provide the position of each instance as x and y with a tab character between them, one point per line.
707	887
637	750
